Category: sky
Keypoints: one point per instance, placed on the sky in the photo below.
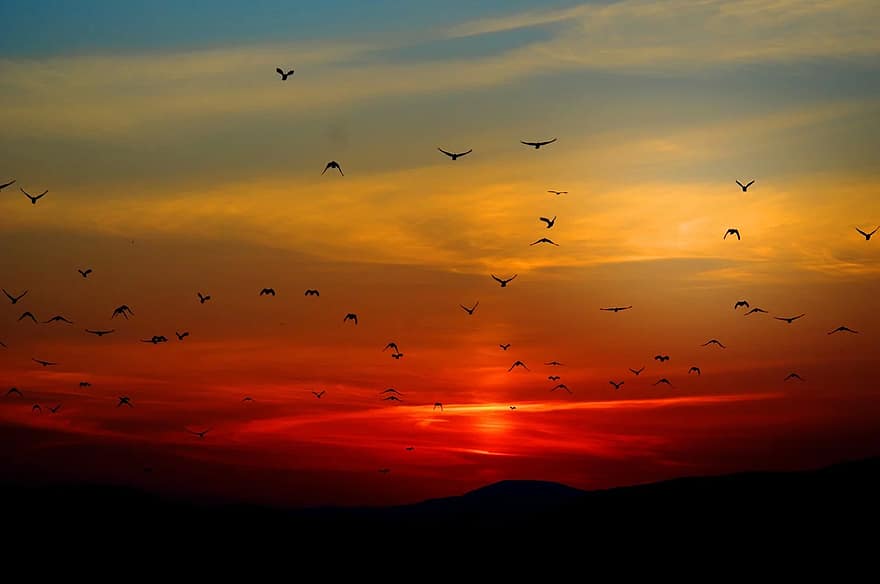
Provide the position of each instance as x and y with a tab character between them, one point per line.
177	162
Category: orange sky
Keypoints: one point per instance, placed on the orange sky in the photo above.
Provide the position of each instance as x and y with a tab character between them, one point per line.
213	185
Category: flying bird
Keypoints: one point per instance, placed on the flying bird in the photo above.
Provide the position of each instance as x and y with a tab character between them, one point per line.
455	155
33	198
560	386
732	231
55	409
123	311
713	342
28	314
351	316
12	298
4	185
616	308
550	222
312	292
754	310
553	363
247	398
867	235
391	345
616	385
284	75
14	391
392	398
37	408
319	394
518	364
557	193
199	434
391	390
793	376
181	336
124	400
843	329
2	344
410	448
789	320
538	144
100	333
471	309
544	240
333	164
553	377
637	371
663	380
740	303
84	384
505	346
512	407
437	405
57	318
396	356
85	273
156	339
695	370
660	358
746	186
503	283
266	291
43	363
202	298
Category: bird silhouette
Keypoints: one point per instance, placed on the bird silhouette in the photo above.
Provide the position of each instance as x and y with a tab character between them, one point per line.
84	384
123	311
557	193
57	318
14	391
553	377
505	346
391	390
351	316
14	299
156	339
44	363
201	434
636	372
202	298
319	394
333	164
85	273
33	198
471	309
28	314
247	398
437	405
36	408
538	144
4	185
842	329
100	333
553	364
124	400
550	222
518	364
867	235
455	155
312	292
512	407
740	303
392	346
790	319
392	398
616	384
695	370
663	380
181	336
269	291
503	283
661	358
2	344
55	409
284	75
544	240
616	308
385	471
713	342
746	186
560	386
410	448
732	231
396	355
793	376
754	310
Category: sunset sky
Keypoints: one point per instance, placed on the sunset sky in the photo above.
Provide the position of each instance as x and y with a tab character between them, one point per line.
178	162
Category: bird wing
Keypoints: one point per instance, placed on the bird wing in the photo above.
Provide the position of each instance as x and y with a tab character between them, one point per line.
280	72
8	295
862	232
449	154
325	168
529	143
41	195
750	183
466	153
547	142
545	220
875	230
3	186
740	184
496	278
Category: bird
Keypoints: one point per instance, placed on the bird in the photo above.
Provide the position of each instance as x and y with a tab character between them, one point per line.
123	311
85	273
55	409
713	342
538	144
616	308
385	470
553	377
57	318
37	408
471	309
14	299
2	344
550	222
14	391
793	376
333	164
391	390
455	155
544	240
732	231
512	407
100	333
156	339
553	363
437	405
202	298
754	310
663	380
789	320
84	384
503	283
391	345
4	185
695	370
740	303
505	346
560	386
267	291
396	355
181	336
867	235
284	75
43	363
518	364
199	434
661	358
636	372
557	193
746	186
616	385
247	398
391	398
319	394
843	329
124	400
410	448
312	292
28	314
351	316
33	198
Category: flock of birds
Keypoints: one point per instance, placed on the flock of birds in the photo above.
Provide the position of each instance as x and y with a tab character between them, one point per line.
390	394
